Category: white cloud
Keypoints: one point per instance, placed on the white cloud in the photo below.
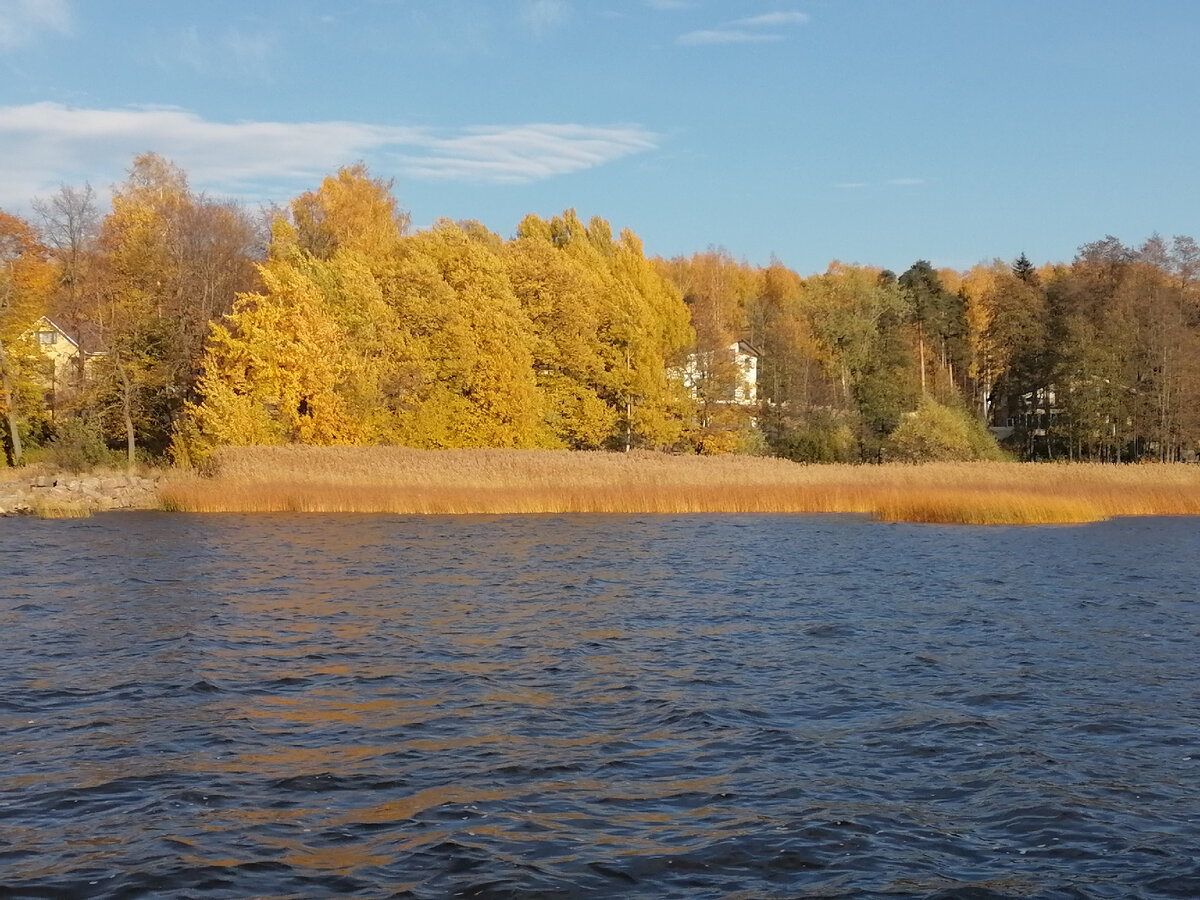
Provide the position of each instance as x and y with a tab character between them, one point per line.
725	36
906	182
22	20
754	29
750	30
45	144
521	154
774	20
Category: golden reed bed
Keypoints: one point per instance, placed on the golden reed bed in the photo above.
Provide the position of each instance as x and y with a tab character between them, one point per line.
404	481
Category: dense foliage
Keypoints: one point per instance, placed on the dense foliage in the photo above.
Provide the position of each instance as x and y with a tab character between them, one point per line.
328	322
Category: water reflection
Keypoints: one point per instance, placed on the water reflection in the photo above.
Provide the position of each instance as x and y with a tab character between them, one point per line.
598	705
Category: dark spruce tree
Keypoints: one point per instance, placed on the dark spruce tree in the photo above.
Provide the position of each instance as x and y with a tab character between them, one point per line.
1024	270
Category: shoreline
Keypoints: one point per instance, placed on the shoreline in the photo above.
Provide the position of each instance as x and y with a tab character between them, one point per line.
401	481
59	495
515	482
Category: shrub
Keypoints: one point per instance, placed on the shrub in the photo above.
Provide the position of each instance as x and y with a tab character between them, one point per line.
937	433
822	436
78	445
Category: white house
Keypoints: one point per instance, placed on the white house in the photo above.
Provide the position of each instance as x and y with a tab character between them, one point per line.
744	356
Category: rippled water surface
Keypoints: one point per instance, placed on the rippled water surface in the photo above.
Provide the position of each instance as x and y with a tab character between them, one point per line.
227	706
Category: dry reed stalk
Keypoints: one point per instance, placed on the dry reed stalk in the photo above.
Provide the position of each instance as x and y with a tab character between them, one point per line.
404	481
60	510
965	507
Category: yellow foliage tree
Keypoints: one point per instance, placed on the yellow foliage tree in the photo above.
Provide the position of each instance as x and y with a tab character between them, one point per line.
470	345
350	211
26	281
566	303
656	333
446	338
274	372
636	358
169	262
986	360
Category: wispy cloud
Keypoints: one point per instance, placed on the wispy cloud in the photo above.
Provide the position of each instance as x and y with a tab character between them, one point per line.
520	154
543	16
234	52
668	4
774	20
726	36
23	20
758	29
44	144
253	52
892	182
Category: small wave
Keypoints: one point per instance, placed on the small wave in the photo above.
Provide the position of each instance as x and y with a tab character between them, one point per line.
327	781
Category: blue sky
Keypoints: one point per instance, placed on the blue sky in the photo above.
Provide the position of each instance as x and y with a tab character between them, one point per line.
872	131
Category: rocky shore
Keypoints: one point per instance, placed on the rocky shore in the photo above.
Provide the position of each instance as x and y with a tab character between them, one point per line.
66	494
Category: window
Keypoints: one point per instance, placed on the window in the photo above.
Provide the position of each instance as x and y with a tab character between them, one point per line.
47	337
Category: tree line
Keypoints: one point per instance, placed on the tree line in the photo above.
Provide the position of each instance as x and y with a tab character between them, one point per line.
329	321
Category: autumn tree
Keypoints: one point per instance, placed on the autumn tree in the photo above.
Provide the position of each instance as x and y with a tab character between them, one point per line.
1010	328
171	262
274	369
26	279
653	333
800	413
371	337
859	318
718	292
939	317
642	333
350	211
571	313
471	345
1102	353
70	220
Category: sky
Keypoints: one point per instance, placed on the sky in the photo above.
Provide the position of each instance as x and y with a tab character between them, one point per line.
870	131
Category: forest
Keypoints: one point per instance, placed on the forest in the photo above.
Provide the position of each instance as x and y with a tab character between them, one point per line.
174	323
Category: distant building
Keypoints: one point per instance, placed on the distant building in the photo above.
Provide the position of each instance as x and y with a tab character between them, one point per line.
67	362
1031	413
60	348
744	356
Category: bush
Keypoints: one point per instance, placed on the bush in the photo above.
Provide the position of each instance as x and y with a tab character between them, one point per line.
78	446
819	444
820	436
937	433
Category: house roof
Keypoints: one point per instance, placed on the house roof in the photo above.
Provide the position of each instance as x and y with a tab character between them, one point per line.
43	321
748	348
86	336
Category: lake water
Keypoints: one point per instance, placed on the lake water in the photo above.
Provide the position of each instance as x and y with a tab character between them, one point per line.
737	706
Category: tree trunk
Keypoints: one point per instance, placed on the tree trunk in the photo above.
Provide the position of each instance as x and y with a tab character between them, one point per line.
127	415
921	345
10	407
628	404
